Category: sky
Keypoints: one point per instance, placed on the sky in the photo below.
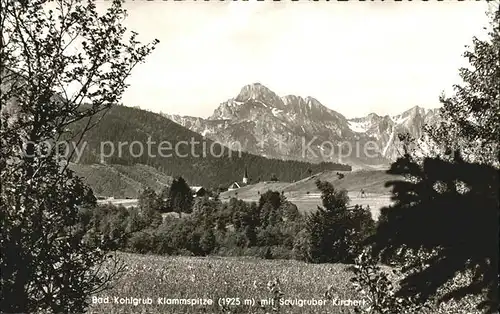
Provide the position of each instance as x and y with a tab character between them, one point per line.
354	57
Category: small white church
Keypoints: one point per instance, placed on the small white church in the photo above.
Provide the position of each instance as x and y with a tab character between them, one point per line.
237	185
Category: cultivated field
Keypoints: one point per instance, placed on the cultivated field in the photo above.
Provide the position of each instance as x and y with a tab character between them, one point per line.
308	203
376	202
244	281
372	182
119	202
305	203
304	193
307	197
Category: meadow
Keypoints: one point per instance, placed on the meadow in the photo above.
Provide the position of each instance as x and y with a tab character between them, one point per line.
305	194
309	203
235	285
307	197
237	279
188	284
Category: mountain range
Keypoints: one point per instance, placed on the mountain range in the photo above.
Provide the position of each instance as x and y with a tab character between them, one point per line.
297	128
111	165
123	170
290	137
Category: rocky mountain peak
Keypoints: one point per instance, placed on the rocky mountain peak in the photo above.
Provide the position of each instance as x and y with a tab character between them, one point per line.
413	112
257	113
255	100
259	93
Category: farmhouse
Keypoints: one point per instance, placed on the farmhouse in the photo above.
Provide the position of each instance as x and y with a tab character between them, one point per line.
198	191
234	186
237	185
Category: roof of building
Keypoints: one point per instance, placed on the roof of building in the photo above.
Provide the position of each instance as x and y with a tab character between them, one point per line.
196	189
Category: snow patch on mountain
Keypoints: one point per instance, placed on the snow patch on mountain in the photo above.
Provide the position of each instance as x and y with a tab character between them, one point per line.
400	119
388	144
256	110
358	127
277	111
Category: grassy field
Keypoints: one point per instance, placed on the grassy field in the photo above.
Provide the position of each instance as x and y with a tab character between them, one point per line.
308	203
302	193
372	182
376	202
305	203
243	283
242	279
307	197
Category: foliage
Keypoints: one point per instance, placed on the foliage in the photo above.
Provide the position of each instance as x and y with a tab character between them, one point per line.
301	246
267	229
205	211
149	201
180	196
377	285
443	223
208	242
274	178
47	263
471	117
335	232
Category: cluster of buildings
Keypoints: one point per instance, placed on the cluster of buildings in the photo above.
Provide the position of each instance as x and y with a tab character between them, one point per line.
237	185
199	191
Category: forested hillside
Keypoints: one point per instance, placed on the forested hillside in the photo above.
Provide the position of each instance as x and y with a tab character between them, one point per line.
120	181
126	125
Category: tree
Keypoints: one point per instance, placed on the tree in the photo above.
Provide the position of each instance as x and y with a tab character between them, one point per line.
322	228
269	203
444	221
207	241
290	211
272	197
335	231
164	199
60	63
149	200
446	218
150	205
471	117
204	212
181	197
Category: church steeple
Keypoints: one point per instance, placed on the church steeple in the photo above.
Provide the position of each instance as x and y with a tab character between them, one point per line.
245	177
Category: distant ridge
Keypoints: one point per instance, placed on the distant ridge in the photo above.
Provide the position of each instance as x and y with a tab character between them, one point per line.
126	125
258	111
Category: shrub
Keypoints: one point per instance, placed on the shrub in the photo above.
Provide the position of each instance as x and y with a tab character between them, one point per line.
376	284
281	252
208	242
140	242
336	232
301	246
